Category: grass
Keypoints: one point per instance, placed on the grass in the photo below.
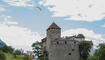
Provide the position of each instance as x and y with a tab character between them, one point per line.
11	57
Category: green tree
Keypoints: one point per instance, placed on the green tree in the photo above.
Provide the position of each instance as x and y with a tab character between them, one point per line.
44	56
37	51
7	49
37	48
99	53
84	48
17	52
92	58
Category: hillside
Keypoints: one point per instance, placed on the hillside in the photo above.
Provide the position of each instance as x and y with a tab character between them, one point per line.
1	42
11	57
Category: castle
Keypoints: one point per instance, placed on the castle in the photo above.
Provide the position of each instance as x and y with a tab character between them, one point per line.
59	48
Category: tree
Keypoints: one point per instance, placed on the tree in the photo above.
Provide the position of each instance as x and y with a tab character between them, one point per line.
84	48
44	56
37	48
17	52
92	58
7	49
1	44
100	53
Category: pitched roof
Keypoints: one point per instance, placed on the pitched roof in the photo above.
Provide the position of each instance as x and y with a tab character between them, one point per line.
54	26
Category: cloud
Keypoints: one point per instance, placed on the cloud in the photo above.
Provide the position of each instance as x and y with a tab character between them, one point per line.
11	22
103	25
78	10
89	34
17	36
2	9
22	3
6	20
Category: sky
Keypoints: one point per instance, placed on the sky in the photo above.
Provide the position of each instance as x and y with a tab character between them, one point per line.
22	23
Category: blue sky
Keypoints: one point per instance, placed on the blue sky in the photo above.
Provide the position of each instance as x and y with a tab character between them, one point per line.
73	18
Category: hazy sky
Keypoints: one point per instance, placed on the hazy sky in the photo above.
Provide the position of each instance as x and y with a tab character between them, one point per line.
21	23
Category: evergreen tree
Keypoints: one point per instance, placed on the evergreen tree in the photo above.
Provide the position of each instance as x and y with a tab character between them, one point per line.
84	48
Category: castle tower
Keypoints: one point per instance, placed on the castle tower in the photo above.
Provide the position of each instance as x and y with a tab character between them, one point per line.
53	32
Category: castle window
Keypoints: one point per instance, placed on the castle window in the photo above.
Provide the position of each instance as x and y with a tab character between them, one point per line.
57	42
69	53
72	49
74	42
65	42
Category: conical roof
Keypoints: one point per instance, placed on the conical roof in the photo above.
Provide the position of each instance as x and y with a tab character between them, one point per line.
54	26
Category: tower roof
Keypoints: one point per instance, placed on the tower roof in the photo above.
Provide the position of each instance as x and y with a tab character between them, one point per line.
54	26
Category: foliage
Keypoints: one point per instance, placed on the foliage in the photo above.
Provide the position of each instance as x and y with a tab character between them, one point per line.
44	56
2	56
37	48
81	58
99	54
11	57
7	49
17	52
1	44
37	51
8	53
92	58
84	48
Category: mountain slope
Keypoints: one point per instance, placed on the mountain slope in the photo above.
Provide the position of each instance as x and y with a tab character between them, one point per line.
2	42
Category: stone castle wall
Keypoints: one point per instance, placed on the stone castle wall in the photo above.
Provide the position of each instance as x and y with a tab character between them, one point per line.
64	50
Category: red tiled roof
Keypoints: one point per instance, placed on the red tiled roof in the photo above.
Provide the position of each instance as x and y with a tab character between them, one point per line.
54	26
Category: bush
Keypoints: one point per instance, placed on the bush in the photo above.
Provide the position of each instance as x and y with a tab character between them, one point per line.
7	49
92	58
2	56
17	52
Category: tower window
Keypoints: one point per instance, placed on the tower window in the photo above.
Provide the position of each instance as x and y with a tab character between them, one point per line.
74	42
65	42
72	49
57	42
69	53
